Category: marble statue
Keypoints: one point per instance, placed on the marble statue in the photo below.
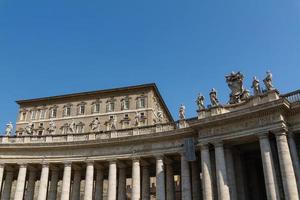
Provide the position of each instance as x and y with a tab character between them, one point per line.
113	123
182	112
29	128
235	83
268	81
52	127
95	125
200	102
256	86
213	98
9	129
136	119
159	115
72	127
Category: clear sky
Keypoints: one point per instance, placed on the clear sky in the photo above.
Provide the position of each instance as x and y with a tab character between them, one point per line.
185	47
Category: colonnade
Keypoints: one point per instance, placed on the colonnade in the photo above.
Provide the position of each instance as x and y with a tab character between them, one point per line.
191	187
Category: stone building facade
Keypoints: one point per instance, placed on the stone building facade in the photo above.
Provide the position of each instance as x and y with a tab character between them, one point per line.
244	150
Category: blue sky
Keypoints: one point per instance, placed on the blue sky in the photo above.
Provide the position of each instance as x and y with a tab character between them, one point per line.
57	47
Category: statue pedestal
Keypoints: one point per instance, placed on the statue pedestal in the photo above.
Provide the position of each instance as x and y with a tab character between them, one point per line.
273	95
182	123
217	110
201	114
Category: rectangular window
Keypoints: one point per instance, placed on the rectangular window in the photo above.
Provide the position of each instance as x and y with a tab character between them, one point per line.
33	114
110	106
67	112
22	116
81	110
42	114
142	103
96	108
53	113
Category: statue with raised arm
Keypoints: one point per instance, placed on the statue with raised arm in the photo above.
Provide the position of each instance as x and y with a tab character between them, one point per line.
256	86
95	125
200	102
9	129
235	83
213	98
72	127
52	127
268	81
29	128
182	112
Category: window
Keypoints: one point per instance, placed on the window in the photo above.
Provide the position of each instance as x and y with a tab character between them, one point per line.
33	114
81	109
142	115
126	116
110	106
141	102
67	111
96	108
125	103
53	112
42	114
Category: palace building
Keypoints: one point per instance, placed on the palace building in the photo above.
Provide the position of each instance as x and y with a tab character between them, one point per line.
123	143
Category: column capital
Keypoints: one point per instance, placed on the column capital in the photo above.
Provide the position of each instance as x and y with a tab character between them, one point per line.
89	162
204	146
263	135
22	164
218	144
112	161
279	133
67	164
159	156
45	164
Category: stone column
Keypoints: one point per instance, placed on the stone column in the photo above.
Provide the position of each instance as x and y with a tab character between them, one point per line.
222	181
206	173
195	181
170	181
66	183
231	174
7	185
122	183
295	158
145	183
53	184
42	195
31	184
268	167
1	175
112	180
286	167
136	180
240	176
186	191
19	193
99	183
89	181
76	184
160	178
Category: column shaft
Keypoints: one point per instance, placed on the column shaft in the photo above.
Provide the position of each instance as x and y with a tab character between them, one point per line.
195	181
42	195
1	175
136	180
122	184
145	183
295	158
112	181
231	174
160	179
286	167
53	184
66	183
268	168
222	181
99	184
7	185
19	193
76	185
206	173
30	185
186	191
89	181
170	182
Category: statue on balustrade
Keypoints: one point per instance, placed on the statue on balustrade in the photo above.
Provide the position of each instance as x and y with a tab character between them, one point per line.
29	128
95	125
72	127
9	129
268	81
200	102
256	86
213	98
52	127
182	112
235	83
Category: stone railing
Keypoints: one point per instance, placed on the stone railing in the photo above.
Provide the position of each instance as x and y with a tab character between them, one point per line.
292	97
88	136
